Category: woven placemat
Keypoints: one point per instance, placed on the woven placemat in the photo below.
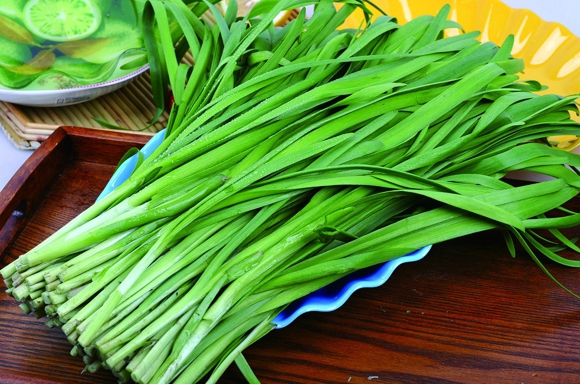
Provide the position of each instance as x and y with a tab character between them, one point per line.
13	137
130	108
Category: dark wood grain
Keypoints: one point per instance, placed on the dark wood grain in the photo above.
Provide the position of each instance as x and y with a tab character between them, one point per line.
62	178
466	313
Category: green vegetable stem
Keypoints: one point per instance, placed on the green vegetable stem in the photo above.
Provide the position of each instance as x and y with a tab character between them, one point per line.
294	156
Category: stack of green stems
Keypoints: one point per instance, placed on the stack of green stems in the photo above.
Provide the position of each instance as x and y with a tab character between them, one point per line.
294	156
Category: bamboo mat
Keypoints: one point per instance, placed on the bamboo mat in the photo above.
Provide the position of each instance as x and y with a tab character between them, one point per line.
130	108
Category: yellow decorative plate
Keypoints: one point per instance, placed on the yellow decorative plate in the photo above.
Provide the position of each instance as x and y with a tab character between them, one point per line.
550	51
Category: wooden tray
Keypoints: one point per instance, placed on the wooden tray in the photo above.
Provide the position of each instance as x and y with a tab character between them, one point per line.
60	178
467	313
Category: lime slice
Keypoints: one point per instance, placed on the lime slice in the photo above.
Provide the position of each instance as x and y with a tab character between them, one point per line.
62	20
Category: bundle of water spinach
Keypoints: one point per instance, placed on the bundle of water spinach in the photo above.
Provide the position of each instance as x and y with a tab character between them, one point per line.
294	156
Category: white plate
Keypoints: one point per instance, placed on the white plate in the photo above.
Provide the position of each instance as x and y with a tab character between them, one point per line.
68	96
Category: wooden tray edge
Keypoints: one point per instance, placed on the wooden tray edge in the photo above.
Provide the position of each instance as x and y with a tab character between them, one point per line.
11	377
24	191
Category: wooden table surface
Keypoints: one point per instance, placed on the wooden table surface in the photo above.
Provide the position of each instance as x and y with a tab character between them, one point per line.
467	313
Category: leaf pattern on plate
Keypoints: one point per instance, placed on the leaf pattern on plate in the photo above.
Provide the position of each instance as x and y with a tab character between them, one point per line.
81	48
43	60
15	32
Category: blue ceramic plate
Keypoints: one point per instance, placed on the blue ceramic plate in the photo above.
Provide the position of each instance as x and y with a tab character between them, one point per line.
125	170
334	295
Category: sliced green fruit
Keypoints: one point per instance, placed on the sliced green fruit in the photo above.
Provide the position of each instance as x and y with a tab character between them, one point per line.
13	53
62	20
105	5
79	69
122	36
9	79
